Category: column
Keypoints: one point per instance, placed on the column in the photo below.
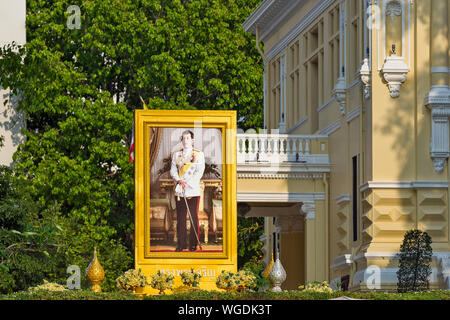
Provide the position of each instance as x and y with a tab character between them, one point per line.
282	124
265	93
309	209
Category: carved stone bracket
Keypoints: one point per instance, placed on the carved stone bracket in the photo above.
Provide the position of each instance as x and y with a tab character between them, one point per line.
309	208
340	93
438	101
365	75
394	72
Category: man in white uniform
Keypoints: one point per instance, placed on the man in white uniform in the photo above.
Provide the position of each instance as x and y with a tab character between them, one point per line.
188	165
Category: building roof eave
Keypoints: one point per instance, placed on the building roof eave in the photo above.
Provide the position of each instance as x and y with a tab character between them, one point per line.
266	13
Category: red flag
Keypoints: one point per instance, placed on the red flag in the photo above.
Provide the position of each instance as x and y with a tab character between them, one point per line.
132	144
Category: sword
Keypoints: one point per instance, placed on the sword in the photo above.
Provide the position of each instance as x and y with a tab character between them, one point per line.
192	221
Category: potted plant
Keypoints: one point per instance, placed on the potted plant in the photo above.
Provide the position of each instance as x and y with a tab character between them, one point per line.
190	280
132	280
225	281
240	281
161	281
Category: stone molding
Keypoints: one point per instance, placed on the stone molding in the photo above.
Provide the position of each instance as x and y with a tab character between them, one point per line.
418	184
304	197
331	128
297	125
279	176
353	114
326	104
304	23
343	198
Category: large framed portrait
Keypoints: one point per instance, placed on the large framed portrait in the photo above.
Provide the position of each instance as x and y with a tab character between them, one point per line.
185	191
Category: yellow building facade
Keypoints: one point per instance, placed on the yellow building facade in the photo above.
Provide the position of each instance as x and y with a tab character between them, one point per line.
356	109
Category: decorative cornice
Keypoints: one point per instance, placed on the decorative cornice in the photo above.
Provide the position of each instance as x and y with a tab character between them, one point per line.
279	196
326	104
297	125
440	70
315	163
418	184
305	22
353	114
331	128
342	198
279	176
394	255
266	14
439	96
355	83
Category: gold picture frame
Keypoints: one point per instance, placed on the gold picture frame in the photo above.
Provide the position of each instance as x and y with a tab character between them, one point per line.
146	259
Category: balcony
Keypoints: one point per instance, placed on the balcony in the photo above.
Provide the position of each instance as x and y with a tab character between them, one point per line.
278	172
282	153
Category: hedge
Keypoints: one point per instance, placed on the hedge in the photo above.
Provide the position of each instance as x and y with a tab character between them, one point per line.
216	295
69	295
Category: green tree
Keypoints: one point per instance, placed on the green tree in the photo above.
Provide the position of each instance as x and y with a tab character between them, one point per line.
79	87
30	237
415	260
249	245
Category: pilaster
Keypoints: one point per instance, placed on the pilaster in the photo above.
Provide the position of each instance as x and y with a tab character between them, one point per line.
438	99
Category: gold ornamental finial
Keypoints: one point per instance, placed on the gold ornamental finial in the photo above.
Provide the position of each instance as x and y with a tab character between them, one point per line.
95	273
269	267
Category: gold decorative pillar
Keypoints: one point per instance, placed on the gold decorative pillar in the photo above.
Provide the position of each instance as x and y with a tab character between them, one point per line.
95	273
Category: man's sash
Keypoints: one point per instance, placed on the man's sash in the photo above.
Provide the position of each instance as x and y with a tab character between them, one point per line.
184	171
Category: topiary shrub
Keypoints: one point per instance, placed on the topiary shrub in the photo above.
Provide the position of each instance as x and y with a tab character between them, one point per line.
415	260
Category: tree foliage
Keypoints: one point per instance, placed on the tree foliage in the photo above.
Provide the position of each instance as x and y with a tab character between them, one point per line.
29	235
249	245
415	260
79	88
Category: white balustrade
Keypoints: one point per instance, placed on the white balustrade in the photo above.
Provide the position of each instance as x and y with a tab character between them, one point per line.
275	148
